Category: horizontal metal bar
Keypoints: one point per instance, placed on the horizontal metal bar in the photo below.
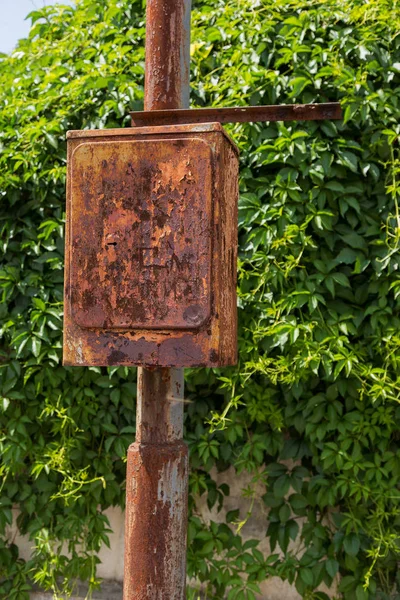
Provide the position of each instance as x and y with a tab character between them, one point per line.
238	114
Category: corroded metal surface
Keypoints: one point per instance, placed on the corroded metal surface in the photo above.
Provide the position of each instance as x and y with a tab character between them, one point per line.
156	491
141	234
156	522
238	114
167	54
156	132
157	469
151	247
160	400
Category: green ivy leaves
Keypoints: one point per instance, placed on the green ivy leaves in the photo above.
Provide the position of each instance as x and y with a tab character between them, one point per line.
311	413
319	253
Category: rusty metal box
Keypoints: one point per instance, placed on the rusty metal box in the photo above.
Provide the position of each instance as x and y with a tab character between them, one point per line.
151	246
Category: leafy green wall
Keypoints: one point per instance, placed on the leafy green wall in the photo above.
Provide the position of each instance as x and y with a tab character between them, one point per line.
312	410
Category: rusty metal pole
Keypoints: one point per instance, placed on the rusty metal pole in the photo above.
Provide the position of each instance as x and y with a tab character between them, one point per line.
167	54
156	507
157	469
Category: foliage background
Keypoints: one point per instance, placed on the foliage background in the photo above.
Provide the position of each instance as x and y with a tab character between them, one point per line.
312	409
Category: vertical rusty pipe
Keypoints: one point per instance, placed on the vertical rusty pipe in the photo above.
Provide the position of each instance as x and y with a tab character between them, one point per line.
156	491
167	54
157	469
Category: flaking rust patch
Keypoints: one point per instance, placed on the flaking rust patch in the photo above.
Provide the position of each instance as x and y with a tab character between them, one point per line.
142	235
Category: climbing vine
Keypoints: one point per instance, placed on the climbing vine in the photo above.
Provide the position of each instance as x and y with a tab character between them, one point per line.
312	411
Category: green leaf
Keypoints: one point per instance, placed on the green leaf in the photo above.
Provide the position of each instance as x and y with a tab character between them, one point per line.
4	404
284	513
307	576
298	502
51	139
281	486
347	256
298	84
330	285
332	567
351	544
354	240
361	593
341	279
335	186
120	447
36	346
115	396
348	159
38	303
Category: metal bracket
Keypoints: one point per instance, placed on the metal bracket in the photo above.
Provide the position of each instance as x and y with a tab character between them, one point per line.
238	114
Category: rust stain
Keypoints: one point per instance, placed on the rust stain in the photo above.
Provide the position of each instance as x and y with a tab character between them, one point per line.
159	405
167	54
155	522
141	234
157	491
238	114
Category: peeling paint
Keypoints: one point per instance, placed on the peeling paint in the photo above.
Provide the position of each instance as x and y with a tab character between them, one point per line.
141	235
156	520
167	54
